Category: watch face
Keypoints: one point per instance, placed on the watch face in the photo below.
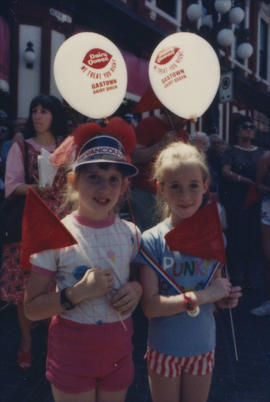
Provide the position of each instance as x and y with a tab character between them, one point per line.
65	302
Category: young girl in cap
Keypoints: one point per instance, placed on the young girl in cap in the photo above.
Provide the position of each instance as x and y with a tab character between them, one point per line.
181	337
89	347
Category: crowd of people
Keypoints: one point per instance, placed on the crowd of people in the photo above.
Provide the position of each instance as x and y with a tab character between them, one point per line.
87	292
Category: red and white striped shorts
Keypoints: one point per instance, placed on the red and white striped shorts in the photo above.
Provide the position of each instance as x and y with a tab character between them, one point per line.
172	366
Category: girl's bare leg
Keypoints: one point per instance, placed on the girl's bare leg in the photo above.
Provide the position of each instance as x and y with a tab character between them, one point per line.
195	388
164	389
25	327
60	396
109	396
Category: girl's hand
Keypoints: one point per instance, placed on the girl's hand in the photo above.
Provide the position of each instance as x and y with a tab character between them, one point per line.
45	191
127	298
95	283
35	187
220	288
233	298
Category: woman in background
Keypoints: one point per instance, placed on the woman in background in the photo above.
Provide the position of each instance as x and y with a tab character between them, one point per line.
239	164
46	126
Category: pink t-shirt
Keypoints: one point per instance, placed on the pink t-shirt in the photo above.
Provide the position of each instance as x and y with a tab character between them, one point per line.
15	175
112	243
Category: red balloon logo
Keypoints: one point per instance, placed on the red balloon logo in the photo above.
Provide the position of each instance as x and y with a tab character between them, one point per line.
97	58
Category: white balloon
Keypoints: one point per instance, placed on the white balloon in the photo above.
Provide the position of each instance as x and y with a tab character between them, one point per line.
91	74
184	72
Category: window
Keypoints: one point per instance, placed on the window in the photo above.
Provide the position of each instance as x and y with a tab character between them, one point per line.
168	6
168	9
263	49
208	7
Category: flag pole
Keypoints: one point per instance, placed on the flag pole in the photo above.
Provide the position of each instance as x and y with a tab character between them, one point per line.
231	322
117	277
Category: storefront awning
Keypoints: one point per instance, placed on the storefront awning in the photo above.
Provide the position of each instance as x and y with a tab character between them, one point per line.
138	80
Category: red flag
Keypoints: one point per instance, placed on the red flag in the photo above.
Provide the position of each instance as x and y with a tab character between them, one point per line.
41	229
253	195
148	102
200	235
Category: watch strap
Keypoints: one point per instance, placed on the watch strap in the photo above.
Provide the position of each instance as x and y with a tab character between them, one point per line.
65	302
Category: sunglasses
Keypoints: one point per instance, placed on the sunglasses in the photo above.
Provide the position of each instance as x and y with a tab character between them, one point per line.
248	126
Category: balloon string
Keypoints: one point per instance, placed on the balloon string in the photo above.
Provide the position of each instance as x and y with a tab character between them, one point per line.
198	145
172	123
134	223
170	120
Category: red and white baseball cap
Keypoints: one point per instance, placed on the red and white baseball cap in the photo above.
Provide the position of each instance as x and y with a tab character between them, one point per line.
105	149
91	143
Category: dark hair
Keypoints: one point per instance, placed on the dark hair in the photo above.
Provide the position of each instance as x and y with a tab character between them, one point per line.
53	104
104	166
240	121
4	120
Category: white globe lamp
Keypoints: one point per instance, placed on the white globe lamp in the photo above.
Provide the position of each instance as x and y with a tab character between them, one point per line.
194	12
236	15
244	51
225	37
29	55
223	6
207	21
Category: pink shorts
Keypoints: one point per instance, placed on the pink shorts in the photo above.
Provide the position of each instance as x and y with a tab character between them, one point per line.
83	357
172	366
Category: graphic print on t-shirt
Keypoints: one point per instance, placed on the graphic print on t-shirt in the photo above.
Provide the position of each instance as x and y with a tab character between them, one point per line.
189	272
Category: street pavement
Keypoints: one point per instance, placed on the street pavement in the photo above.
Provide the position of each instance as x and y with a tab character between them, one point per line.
245	380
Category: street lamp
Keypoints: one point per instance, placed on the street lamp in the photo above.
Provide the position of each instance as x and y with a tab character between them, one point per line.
223	6
218	22
236	15
225	37
194	12
244	51
29	55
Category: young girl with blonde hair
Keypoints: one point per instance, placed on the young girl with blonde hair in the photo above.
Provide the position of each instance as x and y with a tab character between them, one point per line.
89	347
180	353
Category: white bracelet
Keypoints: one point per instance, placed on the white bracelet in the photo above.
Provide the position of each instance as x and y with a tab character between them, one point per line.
194	312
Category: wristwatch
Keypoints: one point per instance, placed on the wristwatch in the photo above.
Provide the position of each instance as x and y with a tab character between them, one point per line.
64	300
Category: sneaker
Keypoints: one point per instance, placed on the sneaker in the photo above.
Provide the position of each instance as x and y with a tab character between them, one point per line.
263	309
